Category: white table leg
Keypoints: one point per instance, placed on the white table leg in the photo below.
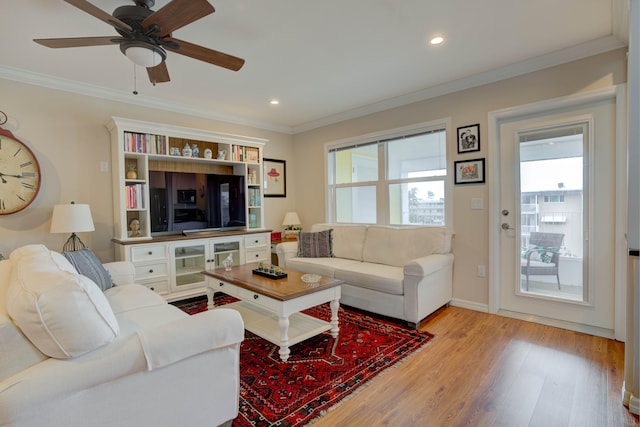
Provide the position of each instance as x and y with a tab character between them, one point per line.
210	302
335	305
284	351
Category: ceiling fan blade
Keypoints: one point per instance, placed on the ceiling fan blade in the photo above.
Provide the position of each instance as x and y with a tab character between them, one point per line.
76	41
205	54
95	11
176	14
159	73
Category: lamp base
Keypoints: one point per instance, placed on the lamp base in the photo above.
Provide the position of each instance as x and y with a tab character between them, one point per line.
73	243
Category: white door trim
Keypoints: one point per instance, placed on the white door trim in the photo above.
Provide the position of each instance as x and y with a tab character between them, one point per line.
618	93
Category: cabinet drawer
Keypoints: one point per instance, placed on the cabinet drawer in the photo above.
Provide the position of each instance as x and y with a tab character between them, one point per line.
148	271
255	241
256	255
254	298
158	286
148	253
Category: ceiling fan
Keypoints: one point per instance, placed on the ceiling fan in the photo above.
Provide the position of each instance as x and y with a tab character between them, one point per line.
145	35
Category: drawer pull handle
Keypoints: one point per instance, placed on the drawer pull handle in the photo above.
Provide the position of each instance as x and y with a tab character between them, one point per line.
255	241
255	296
150	252
257	255
151	270
152	288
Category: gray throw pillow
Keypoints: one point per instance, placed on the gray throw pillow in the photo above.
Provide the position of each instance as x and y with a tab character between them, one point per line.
317	244
87	264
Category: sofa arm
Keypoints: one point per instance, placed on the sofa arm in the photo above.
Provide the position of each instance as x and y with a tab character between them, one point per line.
421	267
190	336
122	272
286	250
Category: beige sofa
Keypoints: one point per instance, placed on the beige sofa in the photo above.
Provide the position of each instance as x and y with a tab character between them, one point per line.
122	357
401	272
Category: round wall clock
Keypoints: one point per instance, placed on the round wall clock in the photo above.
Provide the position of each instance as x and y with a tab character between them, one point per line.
19	174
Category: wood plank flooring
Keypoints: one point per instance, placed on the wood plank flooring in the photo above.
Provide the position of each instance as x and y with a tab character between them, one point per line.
488	370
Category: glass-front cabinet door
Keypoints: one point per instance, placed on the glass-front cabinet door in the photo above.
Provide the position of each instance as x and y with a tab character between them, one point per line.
190	262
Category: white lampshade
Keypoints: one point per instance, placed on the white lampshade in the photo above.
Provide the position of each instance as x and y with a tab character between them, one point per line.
71	218
291	218
144	56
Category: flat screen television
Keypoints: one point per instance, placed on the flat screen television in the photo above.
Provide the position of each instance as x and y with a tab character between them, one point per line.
183	202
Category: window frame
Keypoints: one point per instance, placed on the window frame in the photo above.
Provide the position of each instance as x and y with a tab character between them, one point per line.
383	183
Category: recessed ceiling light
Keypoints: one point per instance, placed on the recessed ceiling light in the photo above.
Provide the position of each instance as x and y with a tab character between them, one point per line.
274	102
437	40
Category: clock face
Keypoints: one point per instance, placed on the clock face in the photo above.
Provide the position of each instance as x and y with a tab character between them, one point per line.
19	175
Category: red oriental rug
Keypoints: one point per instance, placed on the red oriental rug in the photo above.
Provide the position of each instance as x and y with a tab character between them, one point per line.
321	371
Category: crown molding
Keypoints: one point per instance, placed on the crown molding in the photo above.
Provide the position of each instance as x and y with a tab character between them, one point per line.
559	57
43	80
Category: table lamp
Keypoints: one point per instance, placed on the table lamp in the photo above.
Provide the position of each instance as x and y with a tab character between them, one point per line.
72	218
291	223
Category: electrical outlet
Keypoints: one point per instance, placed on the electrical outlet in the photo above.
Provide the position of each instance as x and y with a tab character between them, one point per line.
482	271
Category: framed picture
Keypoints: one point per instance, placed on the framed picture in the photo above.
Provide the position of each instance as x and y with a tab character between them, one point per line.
469	138
275	178
469	171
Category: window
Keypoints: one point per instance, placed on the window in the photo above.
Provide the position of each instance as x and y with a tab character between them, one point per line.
397	178
554	198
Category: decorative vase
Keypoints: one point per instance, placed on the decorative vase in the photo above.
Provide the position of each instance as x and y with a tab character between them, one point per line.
132	175
195	151
186	151
208	153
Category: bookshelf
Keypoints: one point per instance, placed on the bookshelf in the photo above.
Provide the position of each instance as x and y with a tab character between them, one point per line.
141	147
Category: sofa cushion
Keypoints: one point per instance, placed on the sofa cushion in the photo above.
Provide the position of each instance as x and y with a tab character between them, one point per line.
64	314
322	266
348	240
132	297
398	245
379	277
87	264
315	244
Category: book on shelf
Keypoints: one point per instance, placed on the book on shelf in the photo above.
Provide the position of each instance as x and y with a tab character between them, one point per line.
240	153
145	143
254	197
134	196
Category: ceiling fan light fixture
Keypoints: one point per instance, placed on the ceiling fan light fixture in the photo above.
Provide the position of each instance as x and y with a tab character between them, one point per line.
143	54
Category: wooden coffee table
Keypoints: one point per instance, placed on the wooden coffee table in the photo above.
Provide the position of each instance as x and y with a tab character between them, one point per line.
271	308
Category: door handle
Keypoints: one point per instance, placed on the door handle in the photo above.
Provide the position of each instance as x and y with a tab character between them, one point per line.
506	226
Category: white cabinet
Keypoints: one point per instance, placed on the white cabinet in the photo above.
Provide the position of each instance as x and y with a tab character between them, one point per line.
257	248
151	263
140	151
173	267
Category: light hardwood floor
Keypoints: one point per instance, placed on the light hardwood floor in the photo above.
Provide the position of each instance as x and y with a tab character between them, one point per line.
488	370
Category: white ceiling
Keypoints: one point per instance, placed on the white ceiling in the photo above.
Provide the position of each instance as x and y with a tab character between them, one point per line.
324	60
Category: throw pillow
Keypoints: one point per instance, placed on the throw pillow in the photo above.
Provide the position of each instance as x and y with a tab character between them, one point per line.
540	253
63	313
317	244
87	264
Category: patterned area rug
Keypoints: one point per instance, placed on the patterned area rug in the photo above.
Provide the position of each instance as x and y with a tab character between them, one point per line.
321	371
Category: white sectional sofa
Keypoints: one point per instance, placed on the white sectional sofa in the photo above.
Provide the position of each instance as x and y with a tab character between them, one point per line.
401	272
122	357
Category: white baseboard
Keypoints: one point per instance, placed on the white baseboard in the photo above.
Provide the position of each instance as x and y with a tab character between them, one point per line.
634	405
471	305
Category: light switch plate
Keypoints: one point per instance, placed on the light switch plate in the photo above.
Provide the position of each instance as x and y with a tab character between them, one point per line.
477	203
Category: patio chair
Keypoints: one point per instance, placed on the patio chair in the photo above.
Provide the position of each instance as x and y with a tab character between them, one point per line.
542	258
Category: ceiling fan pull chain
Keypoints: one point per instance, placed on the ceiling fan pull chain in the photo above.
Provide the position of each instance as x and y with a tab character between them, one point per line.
135	81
